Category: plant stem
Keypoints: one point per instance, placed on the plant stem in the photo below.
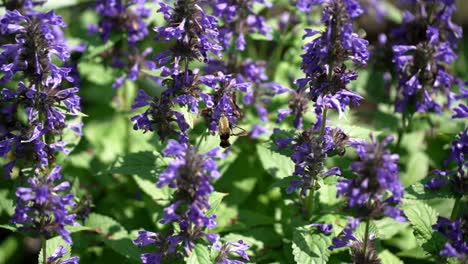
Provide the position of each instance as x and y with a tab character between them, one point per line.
44	250
324	121
366	238
309	202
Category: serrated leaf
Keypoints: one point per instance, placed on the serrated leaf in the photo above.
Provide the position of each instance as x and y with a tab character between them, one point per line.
310	247
51	245
277	165
388	258
422	217
199	255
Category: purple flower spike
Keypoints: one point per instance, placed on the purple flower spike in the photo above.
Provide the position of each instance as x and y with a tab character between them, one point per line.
424	46
457	235
42	208
190	174
376	173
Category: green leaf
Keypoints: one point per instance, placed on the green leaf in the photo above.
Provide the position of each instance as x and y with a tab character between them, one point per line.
421	217
215	201
277	165
417	168
8	248
388	258
95	50
6	204
159	195
114	235
51	245
285	182
418	191
8	227
310	247
147	164
389	227
199	255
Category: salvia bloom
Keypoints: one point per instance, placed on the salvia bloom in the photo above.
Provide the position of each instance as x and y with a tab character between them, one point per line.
362	252
376	177
239	20
456	233
457	178
310	153
56	257
122	16
190	174
325	56
424	46
194	31
159	117
39	95
21	5
44	206
239	248
117	17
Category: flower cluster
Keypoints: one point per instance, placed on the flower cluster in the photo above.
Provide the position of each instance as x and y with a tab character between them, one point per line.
376	188
310	151
127	17
239	20
325	57
456	233
362	248
39	95
424	44
44	206
457	179
190	174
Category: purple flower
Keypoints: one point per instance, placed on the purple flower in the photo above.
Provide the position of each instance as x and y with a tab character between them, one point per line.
455	232
239	19
424	46
310	152
195	33
376	173
239	248
159	117
325	228
362	252
37	42
58	254
44	207
119	16
324	58
190	174
347	236
456	178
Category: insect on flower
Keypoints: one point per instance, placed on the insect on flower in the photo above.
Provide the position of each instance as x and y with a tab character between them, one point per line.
225	131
